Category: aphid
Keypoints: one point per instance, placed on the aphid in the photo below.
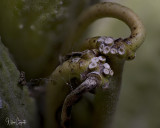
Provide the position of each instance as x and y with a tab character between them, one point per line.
106	71
93	66
95	59
106	65
102	58
113	51
101	39
106	50
101	47
75	60
129	42
121	51
109	41
111	72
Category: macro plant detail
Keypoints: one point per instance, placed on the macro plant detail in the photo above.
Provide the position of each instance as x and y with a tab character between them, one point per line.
96	68
83	90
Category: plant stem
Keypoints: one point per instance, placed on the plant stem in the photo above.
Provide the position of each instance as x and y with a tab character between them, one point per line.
105	99
88	85
102	10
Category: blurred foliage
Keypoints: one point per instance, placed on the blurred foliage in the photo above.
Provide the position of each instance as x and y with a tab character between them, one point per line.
27	30
15	101
34	31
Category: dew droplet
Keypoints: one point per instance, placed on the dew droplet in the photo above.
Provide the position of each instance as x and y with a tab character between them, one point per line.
32	27
106	65
102	58
95	59
109	41
55	11
113	51
40	32
61	2
20	26
106	50
92	66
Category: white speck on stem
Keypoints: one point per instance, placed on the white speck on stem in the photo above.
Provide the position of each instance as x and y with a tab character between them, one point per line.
106	50
109	41
101	47
121	51
102	58
113	51
129	42
75	60
101	39
92	66
95	59
106	71
106	65
111	72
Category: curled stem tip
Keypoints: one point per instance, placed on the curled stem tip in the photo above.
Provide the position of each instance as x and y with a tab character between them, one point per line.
108	9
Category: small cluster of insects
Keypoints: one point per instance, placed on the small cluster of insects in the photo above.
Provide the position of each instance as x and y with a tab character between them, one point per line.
107	45
96	61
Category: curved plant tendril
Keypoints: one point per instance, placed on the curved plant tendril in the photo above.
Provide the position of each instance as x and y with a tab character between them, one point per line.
108	9
99	67
89	66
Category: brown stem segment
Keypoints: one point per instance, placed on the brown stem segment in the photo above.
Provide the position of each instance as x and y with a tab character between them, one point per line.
89	84
108	9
